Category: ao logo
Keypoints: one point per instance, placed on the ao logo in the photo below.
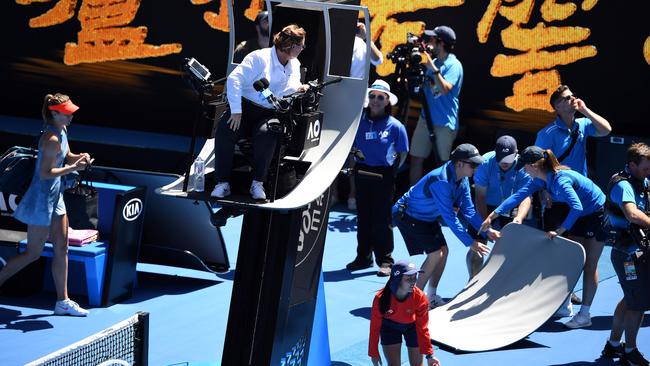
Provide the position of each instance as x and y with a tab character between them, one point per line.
132	209
314	130
8	203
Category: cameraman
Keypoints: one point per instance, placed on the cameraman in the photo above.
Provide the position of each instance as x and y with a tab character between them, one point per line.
248	111
261	39
444	78
628	207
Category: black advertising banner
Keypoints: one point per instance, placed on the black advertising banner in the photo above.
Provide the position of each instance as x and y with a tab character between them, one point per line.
124	246
120	60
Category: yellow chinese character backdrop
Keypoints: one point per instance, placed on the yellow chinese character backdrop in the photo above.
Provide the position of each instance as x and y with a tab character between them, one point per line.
121	58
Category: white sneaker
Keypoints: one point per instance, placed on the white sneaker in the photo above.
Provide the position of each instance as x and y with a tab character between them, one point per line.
69	307
352	204
435	301
257	191
221	190
580	320
565	311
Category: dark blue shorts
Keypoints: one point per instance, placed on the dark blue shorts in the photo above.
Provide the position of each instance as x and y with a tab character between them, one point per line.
420	236
590	226
392	332
635	292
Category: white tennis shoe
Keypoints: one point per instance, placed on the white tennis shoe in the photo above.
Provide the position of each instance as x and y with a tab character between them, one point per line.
69	307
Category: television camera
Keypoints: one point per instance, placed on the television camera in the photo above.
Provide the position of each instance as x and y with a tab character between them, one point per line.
407	58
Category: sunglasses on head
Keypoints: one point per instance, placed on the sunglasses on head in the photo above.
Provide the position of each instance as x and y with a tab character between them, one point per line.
379	97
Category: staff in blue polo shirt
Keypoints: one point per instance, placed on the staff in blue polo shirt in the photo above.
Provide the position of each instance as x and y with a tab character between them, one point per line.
558	136
628	210
436	130
501	175
566	137
497	178
435	198
382	142
584	223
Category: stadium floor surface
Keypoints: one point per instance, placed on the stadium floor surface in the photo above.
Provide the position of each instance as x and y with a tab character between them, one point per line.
189	311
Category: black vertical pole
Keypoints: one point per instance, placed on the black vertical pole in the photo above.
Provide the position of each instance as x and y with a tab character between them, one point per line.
275	285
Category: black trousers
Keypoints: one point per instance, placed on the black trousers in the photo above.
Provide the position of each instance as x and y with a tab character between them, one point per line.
253	124
374	202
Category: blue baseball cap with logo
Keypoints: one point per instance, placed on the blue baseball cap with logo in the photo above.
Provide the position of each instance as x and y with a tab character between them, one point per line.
506	149
399	269
443	32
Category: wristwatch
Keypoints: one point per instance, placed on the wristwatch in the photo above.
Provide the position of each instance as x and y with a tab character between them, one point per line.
428	357
436	72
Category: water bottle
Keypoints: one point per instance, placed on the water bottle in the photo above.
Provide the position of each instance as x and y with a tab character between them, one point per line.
199	174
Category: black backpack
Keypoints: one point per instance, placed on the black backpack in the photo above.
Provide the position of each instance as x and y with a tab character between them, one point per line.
17	169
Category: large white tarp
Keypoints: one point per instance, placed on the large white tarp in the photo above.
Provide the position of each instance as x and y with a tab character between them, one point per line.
525	280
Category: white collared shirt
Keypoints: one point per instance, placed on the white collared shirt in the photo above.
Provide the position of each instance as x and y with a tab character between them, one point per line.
358	66
263	63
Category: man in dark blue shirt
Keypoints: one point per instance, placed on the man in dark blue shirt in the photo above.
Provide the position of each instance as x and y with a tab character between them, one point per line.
627	209
437	197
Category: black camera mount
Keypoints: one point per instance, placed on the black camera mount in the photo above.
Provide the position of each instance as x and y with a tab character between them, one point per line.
411	79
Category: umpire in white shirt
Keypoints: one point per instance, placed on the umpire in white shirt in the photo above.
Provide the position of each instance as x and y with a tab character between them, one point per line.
249	111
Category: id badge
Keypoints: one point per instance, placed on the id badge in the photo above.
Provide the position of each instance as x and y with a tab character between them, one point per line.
630	271
372	135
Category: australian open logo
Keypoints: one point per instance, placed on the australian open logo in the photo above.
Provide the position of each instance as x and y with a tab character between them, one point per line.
8	204
314	131
132	209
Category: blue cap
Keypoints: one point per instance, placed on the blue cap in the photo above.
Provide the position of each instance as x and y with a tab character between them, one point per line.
506	149
399	269
532	154
443	32
467	152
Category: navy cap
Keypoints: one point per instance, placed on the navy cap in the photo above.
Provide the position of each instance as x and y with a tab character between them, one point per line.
506	149
532	154
443	32
403	267
399	269
467	152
